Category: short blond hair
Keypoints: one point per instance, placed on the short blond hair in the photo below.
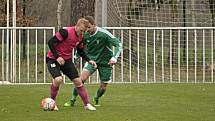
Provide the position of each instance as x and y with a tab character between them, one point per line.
82	21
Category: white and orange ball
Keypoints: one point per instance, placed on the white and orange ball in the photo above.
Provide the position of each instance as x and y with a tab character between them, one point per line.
47	104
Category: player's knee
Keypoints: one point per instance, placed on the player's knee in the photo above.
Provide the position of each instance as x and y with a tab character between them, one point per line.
58	80
103	86
85	75
77	82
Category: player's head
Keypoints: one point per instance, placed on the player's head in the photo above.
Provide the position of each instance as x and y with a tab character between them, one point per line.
90	19
92	24
82	25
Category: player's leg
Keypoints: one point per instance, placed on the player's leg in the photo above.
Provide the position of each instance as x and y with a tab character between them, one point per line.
74	91
54	69
70	71
83	93
100	92
71	102
87	71
105	77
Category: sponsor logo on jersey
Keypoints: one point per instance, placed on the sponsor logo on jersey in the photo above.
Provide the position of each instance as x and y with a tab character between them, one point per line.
53	65
97	41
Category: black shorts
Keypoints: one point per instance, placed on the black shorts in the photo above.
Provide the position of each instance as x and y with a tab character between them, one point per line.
68	68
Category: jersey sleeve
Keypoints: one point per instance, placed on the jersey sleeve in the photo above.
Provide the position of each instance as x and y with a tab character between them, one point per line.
61	35
51	44
116	43
81	52
81	45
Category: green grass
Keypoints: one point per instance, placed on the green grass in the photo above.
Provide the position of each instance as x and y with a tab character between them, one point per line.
122	102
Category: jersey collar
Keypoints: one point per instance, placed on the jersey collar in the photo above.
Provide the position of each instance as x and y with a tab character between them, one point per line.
95	31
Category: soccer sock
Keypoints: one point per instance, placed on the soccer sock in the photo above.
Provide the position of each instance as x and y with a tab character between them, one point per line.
54	91
74	93
83	94
99	93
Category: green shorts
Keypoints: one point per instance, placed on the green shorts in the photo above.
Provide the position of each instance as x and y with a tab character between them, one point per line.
105	72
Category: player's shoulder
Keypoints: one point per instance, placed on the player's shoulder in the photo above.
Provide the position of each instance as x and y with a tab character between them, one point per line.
70	28
105	31
101	29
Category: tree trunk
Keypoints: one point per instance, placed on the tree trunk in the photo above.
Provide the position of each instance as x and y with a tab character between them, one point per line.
158	31
184	32
193	25
212	8
129	13
59	11
81	8
174	40
24	39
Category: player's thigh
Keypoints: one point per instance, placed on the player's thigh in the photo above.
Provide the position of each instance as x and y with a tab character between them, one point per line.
85	74
105	74
53	68
69	70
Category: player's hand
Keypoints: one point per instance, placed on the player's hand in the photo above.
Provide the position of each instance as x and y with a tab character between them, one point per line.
77	62
93	63
60	60
112	61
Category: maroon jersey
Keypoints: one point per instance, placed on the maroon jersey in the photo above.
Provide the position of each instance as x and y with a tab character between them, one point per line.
65	46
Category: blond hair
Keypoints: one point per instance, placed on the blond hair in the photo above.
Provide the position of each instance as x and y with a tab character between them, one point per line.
82	21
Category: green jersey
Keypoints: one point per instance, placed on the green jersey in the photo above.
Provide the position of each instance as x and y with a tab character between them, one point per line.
99	46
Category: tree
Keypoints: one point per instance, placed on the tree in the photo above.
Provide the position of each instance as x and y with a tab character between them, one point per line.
212	8
59	11
175	17
22	20
80	8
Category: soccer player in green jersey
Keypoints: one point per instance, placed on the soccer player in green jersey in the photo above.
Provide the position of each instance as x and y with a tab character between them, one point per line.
98	43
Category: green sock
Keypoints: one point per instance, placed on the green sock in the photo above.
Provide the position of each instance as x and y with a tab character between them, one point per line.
99	93
74	94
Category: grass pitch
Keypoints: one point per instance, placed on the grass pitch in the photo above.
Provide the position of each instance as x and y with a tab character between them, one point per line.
122	102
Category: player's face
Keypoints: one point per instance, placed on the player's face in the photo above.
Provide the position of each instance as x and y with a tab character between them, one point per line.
91	28
81	28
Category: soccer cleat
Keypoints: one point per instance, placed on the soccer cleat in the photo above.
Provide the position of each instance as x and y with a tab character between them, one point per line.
55	108
96	100
70	103
89	107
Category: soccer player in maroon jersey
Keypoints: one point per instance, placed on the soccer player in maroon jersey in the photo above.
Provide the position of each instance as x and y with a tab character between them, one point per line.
59	59
98	43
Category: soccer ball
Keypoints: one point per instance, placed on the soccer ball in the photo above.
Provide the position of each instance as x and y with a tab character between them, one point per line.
48	104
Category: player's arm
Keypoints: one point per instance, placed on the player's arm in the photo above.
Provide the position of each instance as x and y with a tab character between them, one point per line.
59	36
118	47
81	52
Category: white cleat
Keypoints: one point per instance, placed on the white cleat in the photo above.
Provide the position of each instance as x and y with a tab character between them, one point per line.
89	107
56	108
